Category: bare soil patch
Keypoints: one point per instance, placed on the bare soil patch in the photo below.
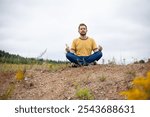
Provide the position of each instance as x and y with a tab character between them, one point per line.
104	82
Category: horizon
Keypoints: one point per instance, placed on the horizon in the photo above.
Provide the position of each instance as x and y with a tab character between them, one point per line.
102	61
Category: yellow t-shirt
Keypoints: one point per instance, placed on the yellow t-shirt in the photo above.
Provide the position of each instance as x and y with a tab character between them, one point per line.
83	47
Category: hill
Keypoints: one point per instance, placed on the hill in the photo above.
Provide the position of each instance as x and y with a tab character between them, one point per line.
6	57
100	82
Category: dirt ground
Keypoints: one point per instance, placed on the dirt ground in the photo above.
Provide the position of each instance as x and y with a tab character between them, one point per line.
104	82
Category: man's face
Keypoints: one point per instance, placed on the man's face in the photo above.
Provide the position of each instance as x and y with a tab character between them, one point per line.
82	30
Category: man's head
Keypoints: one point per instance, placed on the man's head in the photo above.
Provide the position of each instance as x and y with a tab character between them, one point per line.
82	29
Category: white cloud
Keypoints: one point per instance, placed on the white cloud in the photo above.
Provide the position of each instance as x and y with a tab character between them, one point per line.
28	27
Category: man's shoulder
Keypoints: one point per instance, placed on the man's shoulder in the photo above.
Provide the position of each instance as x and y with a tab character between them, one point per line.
76	39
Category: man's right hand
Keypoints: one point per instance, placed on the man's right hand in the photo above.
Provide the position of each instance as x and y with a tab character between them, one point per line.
67	48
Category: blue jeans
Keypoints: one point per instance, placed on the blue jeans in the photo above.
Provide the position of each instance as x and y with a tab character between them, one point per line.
84	59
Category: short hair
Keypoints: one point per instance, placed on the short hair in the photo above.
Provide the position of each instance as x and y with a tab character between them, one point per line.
82	24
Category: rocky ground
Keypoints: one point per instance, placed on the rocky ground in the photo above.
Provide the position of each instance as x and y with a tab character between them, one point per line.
104	82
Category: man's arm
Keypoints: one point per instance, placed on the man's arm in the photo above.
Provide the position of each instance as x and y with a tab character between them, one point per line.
98	49
69	50
72	51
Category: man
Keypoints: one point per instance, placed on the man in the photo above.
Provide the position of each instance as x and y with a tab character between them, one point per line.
80	53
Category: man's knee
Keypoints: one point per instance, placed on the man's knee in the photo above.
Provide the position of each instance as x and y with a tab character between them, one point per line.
69	55
99	54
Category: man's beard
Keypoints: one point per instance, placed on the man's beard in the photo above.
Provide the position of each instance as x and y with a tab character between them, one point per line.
83	33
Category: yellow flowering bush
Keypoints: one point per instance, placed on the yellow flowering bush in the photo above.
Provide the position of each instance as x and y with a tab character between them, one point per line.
140	89
20	75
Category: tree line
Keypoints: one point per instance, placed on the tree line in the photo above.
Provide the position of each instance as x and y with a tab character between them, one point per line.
6	57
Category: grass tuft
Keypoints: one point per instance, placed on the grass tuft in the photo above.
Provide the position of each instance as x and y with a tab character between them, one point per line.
84	94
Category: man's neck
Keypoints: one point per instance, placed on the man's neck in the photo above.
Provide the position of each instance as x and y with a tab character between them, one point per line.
83	37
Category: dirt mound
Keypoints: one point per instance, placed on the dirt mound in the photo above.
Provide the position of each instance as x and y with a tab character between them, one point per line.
102	81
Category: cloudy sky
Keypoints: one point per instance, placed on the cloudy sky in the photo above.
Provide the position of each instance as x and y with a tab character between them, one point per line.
122	27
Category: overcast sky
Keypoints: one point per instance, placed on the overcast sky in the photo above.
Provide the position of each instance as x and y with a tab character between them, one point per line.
121	27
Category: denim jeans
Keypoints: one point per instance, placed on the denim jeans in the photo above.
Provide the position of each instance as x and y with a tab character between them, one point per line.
84	59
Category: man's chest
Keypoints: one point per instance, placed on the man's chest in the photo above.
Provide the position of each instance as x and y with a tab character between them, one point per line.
84	44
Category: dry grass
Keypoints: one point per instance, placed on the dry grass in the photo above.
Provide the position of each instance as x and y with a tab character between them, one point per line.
10	74
102	78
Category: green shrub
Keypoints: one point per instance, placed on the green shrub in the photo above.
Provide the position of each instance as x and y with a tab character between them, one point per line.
84	94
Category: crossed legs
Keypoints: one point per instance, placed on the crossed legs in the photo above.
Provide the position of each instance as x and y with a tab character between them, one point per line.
84	59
